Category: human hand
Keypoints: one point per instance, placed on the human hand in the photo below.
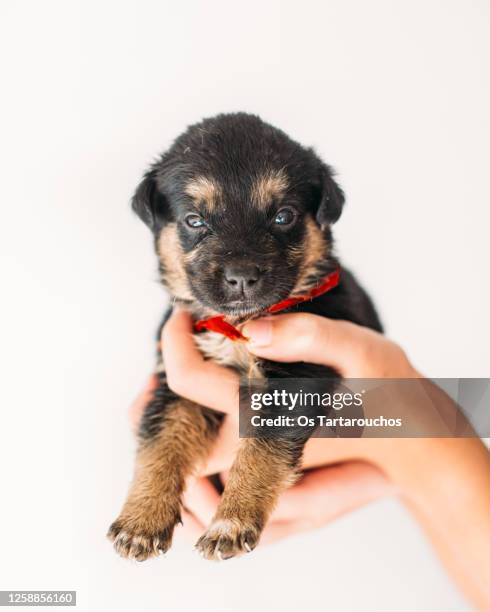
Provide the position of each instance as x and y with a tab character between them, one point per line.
425	472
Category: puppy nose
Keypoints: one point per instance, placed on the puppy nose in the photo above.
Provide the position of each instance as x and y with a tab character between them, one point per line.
241	277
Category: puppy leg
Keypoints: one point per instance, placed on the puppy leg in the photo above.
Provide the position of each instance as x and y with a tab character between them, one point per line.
174	439
261	471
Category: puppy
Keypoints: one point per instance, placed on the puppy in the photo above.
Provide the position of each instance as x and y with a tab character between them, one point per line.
241	217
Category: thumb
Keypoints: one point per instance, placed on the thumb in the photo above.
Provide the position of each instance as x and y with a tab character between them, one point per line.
311	338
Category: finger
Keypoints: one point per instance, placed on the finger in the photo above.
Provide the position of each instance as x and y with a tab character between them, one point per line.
320	452
201	499
140	403
323	495
326	493
275	531
189	374
317	452
311	338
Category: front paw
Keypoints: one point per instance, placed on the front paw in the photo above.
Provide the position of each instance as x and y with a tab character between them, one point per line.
227	538
139	539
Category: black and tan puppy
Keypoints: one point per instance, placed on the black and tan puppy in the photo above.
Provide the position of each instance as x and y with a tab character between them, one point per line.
241	217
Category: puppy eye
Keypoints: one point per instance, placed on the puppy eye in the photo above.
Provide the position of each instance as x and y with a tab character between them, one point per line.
195	221
285	216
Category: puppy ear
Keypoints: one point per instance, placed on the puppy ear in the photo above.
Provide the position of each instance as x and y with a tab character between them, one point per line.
148	203
331	199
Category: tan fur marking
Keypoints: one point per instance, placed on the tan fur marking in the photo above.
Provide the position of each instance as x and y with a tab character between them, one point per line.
172	257
203	191
271	185
315	248
152	509
260	473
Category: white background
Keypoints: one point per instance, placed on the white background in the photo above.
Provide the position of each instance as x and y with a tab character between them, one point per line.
394	94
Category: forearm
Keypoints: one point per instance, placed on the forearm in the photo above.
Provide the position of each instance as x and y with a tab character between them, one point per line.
445	483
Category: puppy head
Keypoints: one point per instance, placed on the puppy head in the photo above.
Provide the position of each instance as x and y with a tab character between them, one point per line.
241	215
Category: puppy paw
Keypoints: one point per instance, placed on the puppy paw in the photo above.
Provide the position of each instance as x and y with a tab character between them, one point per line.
140	540
227	538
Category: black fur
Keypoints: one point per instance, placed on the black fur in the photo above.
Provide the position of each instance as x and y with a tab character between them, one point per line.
233	152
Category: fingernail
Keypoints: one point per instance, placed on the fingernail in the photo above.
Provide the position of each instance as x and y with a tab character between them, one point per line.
258	332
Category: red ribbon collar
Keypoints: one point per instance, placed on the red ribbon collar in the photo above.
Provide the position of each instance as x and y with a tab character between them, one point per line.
219	325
